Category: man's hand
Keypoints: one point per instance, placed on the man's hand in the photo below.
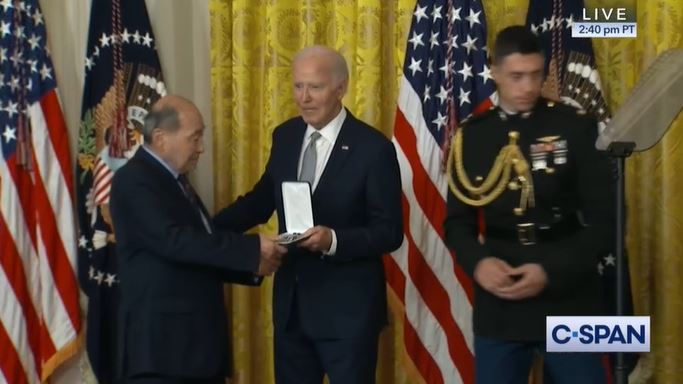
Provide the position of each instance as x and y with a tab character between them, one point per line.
532	279
271	255
493	274
317	239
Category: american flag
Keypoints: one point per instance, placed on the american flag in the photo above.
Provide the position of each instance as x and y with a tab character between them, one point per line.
446	79
39	312
570	64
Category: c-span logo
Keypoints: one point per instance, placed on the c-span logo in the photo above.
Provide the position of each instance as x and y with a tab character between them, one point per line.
597	334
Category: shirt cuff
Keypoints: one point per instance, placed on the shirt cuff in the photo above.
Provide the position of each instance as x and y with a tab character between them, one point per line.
333	246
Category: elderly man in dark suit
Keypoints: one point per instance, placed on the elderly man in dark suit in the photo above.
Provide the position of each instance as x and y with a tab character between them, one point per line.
172	261
329	301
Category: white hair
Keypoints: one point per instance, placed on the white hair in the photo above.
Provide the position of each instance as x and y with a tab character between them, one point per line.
338	64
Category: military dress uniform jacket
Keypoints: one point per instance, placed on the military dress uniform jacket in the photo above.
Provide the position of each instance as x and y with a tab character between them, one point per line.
569	226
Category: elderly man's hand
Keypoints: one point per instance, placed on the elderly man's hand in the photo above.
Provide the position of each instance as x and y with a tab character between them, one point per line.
271	255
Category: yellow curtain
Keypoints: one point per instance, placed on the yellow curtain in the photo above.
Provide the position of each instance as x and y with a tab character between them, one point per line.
252	44
654	182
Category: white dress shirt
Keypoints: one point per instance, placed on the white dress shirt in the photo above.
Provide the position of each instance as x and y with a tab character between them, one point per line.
324	145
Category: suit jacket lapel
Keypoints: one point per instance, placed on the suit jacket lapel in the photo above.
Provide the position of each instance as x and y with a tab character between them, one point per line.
165	177
160	172
206	214
340	152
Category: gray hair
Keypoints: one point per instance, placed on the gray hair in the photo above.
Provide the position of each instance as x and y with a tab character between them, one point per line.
165	118
339	68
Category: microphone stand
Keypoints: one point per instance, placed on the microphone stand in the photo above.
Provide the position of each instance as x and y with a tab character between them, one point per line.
619	151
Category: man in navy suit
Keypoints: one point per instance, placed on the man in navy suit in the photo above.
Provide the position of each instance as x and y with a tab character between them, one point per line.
172	261
329	300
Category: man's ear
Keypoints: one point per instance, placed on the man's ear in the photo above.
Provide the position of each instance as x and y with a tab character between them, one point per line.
158	138
343	87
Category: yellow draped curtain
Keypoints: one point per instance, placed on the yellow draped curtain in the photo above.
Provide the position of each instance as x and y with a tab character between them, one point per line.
252	45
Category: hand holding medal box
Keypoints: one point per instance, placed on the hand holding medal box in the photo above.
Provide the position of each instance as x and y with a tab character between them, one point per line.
296	201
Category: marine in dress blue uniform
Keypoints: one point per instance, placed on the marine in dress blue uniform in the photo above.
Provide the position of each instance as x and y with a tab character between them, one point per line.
530	167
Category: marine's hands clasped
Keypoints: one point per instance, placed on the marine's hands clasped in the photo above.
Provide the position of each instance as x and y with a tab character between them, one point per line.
510	283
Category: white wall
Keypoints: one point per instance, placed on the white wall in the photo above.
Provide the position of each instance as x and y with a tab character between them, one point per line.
182	32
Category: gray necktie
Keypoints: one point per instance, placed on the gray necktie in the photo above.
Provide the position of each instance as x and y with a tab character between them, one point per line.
310	159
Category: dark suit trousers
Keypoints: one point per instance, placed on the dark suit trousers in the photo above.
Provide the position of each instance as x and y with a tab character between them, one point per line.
301	359
158	379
